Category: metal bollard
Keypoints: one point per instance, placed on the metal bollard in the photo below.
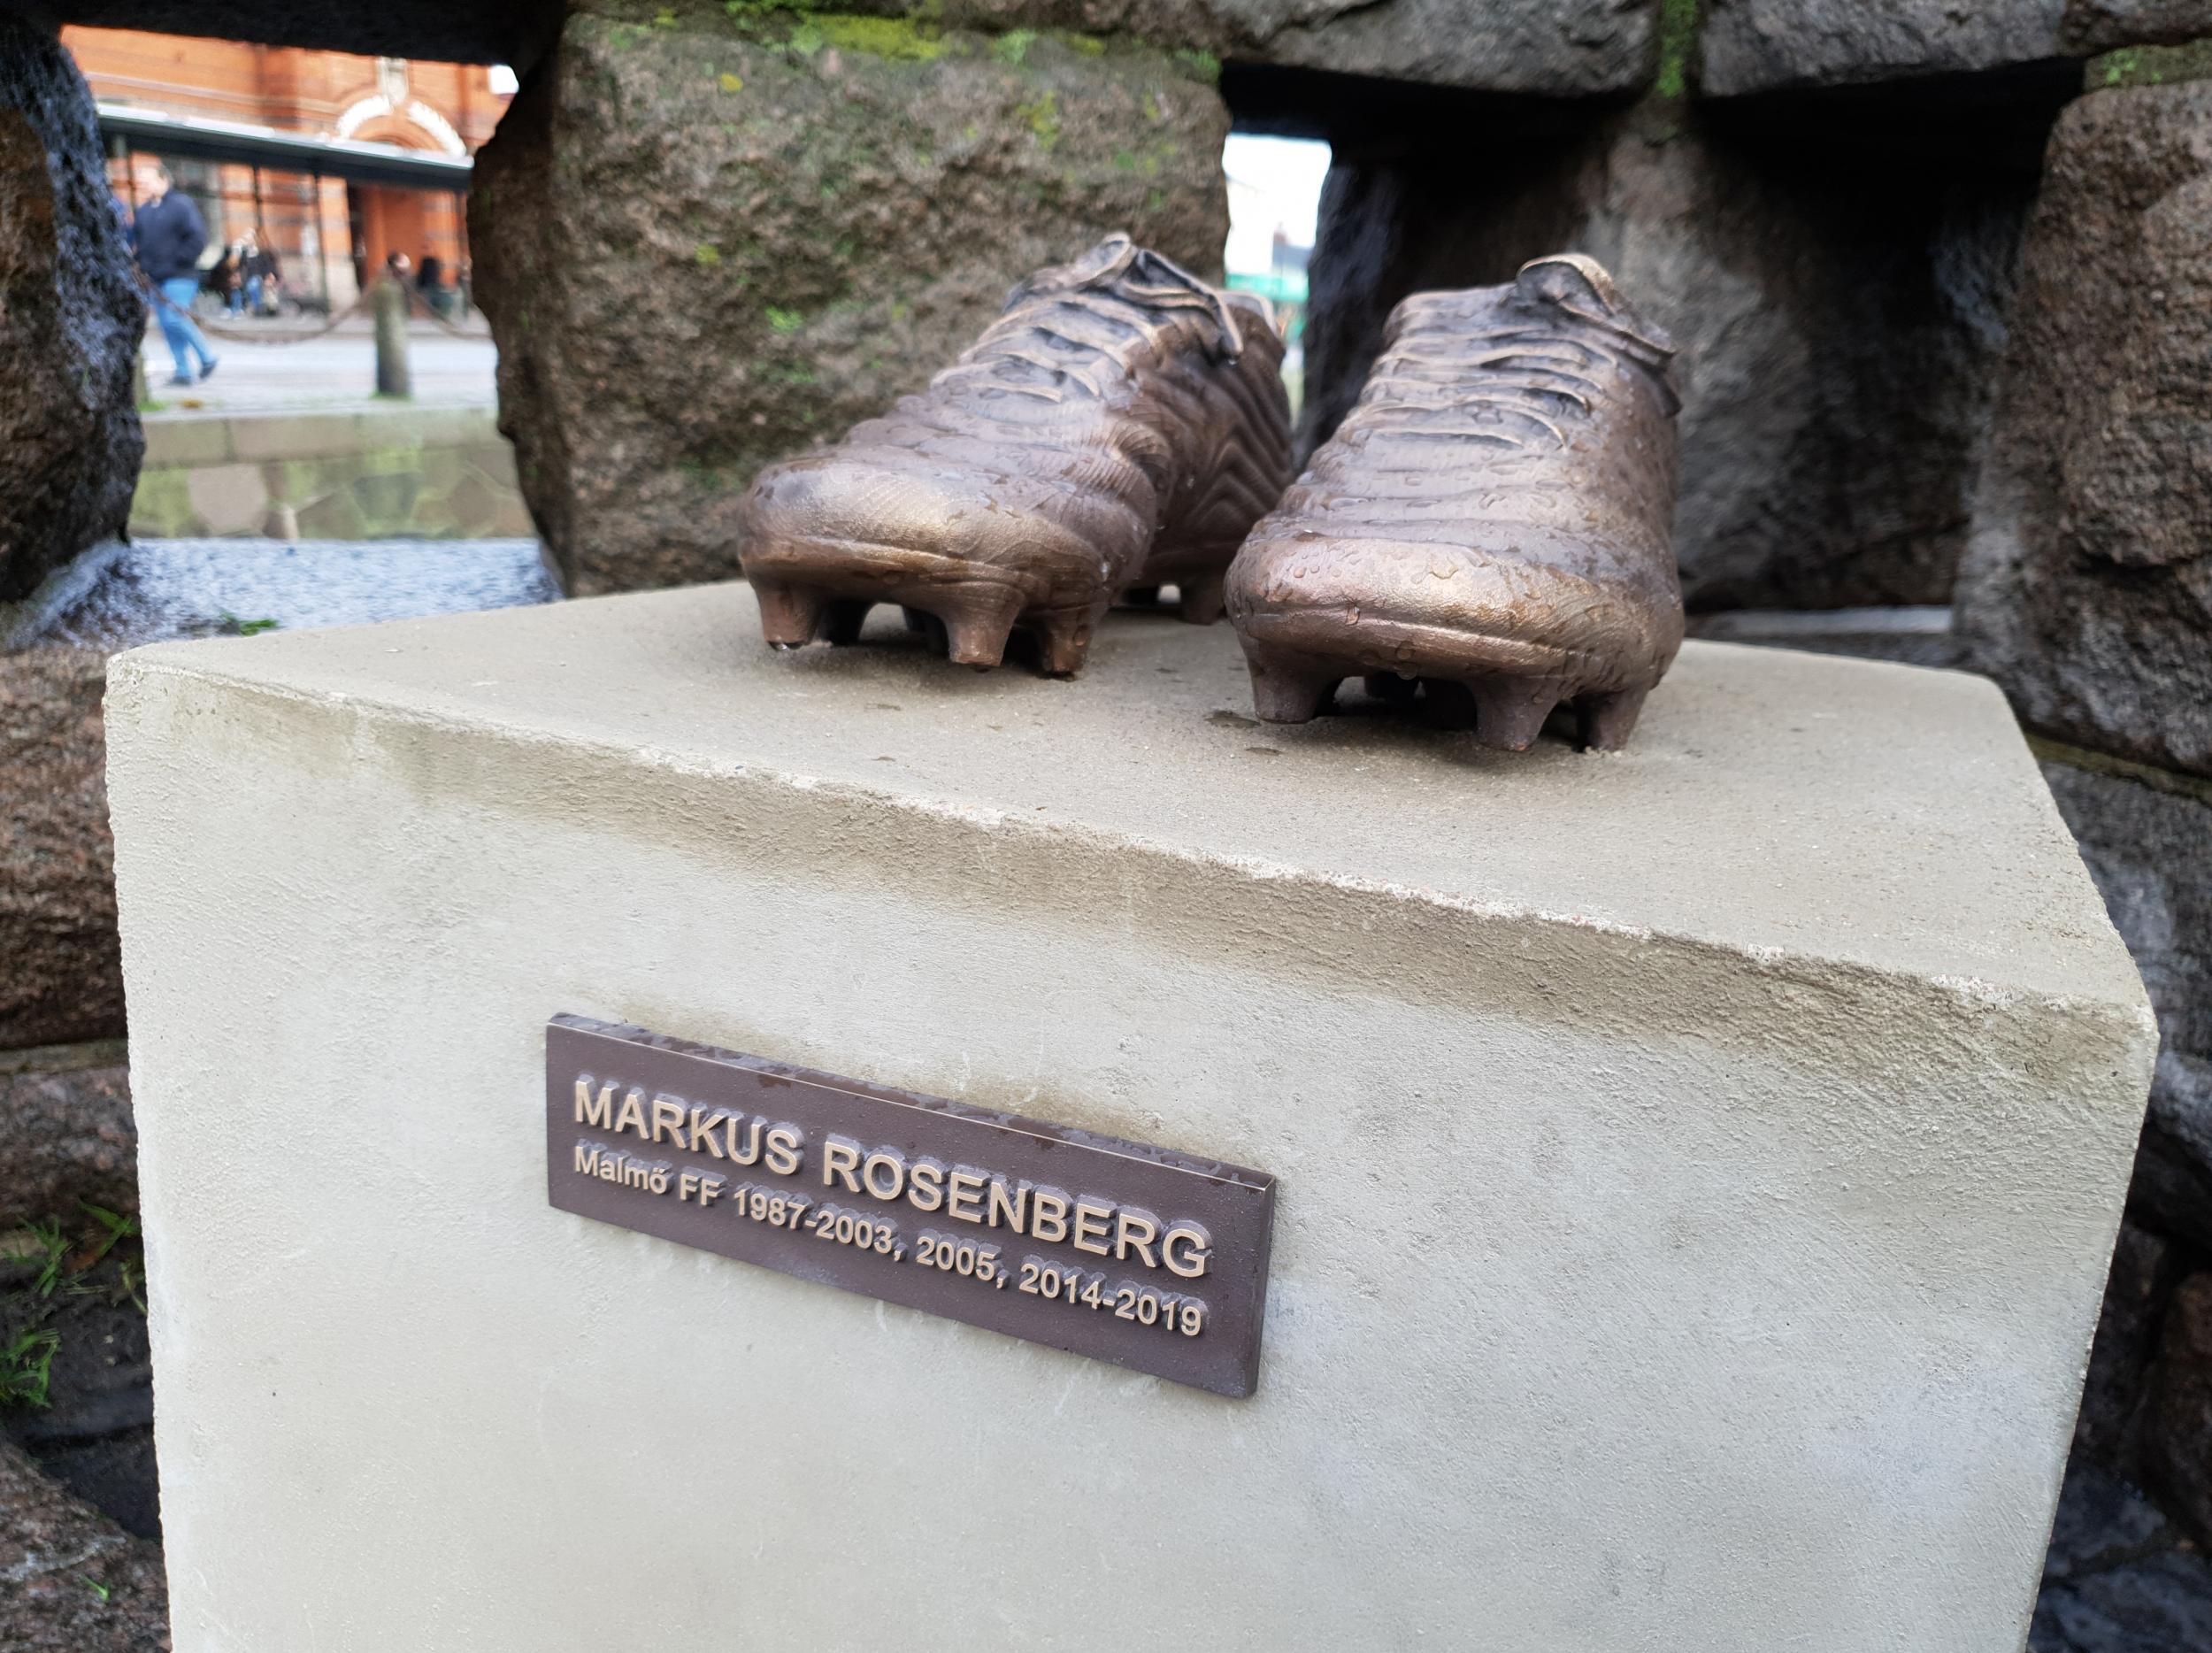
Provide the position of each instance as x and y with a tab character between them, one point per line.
392	377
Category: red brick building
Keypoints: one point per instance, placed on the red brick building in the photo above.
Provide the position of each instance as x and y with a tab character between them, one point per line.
327	233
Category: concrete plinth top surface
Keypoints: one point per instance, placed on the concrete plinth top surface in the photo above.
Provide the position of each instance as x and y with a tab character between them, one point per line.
1781	803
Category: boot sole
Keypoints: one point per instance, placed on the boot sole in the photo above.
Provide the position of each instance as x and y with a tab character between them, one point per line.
822	589
1507	688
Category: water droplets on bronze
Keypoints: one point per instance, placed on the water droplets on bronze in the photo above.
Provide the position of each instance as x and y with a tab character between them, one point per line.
1491	525
1120	427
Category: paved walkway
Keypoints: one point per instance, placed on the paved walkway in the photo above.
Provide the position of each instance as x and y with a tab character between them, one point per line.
337	369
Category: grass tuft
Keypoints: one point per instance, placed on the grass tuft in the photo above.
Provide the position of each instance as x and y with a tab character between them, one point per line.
26	1366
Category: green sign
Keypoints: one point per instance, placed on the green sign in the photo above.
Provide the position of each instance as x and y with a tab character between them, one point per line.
1281	287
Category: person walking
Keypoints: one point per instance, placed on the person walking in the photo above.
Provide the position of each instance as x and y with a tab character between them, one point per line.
168	235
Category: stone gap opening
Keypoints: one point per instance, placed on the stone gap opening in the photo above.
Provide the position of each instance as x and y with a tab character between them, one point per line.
1834	266
240	126
1274	202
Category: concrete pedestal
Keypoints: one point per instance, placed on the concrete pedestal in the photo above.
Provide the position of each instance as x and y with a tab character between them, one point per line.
1696	1167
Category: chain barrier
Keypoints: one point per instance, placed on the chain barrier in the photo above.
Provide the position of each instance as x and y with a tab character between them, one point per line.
244	335
416	300
254	336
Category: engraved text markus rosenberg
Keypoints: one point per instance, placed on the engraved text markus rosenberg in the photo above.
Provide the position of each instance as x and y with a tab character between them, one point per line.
787	1180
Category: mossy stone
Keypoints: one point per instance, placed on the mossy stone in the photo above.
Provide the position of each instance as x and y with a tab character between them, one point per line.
869	200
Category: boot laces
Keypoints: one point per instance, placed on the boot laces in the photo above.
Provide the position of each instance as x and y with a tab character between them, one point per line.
1510	385
1073	326
1538	363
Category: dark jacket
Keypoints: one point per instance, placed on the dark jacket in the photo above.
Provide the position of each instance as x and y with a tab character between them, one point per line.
170	236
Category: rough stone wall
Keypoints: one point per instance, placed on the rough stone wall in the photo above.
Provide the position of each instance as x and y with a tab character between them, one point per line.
2103	25
2089	595
1770	45
74	1581
1762	45
2178	1446
2120	1577
1551	47
2147	836
706	243
66	1133
2125	1573
61	978
70	319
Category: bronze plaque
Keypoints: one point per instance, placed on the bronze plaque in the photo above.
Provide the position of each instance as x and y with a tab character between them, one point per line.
1139	1256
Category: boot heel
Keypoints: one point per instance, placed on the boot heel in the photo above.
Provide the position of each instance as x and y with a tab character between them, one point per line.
1608	720
977	625
789	615
1064	639
1290	690
1204	597
1510	711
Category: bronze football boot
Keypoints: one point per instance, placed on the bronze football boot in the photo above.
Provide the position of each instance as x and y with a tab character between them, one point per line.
1493	519
1121	425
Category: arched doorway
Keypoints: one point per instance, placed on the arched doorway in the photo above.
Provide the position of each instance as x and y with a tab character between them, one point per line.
386	219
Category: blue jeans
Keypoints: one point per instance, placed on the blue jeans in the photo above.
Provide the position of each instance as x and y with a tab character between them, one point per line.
178	326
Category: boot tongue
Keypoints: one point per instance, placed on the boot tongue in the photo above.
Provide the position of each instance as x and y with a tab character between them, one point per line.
1580	286
1141	277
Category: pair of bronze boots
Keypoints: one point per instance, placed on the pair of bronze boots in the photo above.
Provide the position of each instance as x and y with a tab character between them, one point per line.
1490	523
